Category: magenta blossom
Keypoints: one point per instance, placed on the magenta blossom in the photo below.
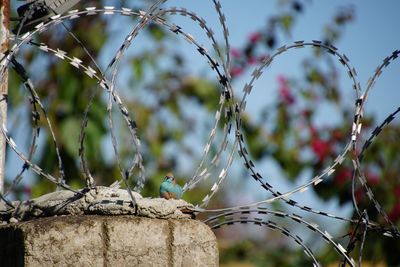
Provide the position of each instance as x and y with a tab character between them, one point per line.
320	148
236	53
236	71
284	90
255	37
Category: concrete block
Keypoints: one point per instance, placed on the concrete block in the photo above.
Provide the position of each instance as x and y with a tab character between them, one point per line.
193	244
94	240
140	242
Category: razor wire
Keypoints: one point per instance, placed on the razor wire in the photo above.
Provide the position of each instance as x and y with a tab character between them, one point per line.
228	108
76	62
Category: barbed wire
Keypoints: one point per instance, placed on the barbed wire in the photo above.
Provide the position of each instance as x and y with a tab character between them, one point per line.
227	121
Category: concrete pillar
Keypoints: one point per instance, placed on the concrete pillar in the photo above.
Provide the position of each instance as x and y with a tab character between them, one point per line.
94	240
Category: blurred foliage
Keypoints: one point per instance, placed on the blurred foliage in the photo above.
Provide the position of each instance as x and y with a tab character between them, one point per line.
166	110
254	254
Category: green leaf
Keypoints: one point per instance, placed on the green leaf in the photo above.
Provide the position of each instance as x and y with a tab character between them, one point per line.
286	22
70	129
203	90
137	65
156	32
94	135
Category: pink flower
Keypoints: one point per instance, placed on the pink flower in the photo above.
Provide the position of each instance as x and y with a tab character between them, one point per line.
282	80
236	71
394	214
286	95
320	148
284	90
359	194
343	176
255	37
252	60
236	53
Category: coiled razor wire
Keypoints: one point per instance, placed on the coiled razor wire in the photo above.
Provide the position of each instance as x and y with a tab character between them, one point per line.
358	170
229	109
104	83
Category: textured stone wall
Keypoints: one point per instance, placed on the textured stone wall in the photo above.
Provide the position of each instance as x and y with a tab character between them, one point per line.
93	240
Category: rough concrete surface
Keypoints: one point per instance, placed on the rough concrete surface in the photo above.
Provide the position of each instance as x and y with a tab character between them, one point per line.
98	200
193	244
93	240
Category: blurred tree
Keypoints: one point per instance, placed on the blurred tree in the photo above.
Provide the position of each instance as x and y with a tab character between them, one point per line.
297	112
